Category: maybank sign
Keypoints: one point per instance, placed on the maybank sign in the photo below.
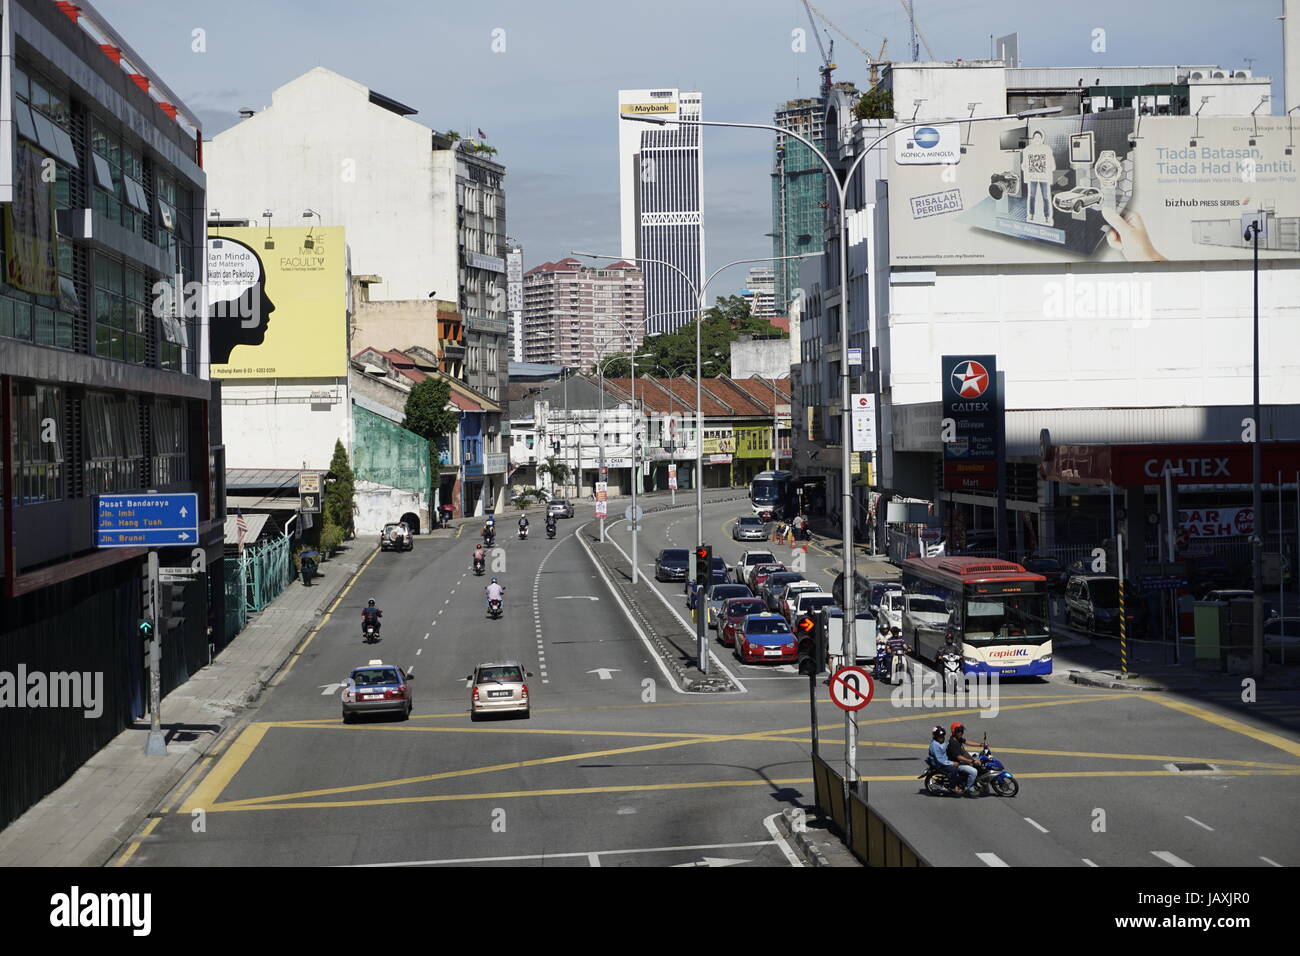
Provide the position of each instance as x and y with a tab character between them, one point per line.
924	145
647	109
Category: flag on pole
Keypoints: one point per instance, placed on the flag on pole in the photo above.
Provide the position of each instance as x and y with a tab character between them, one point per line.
481	134
241	526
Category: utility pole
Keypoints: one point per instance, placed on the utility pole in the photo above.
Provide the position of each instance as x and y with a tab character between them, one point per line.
150	630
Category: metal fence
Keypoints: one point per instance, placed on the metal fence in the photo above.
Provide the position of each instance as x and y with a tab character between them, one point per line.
236	610
264	570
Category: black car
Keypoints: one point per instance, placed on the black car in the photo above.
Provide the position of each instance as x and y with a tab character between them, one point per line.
767	593
671	564
719	567
1050	568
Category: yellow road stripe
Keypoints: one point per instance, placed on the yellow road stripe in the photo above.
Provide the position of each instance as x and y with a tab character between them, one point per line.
1160	758
206	793
1227	723
130	851
695	785
536	762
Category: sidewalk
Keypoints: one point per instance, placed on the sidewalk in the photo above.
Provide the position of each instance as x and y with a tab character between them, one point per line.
86	821
827	537
1096	664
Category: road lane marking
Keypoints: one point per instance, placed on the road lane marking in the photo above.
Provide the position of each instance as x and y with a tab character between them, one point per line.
1227	723
149	828
426	636
471	771
1199	823
991	859
1037	826
591	855
1169	858
219	777
1269	862
1089	862
418	650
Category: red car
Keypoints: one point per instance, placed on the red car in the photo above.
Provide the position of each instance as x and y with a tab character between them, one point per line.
760	574
766	637
733	614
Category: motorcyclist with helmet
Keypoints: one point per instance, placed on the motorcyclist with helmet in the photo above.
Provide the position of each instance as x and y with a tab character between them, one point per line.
550	524
959	755
938	756
479	556
523	525
495	592
370	614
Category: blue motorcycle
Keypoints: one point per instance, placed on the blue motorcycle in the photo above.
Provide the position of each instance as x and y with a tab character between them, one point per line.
993	775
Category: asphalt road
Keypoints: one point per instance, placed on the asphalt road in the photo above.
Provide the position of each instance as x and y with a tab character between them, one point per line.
617	767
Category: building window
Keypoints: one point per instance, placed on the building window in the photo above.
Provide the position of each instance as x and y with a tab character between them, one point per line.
38	443
111	438
121	312
170	448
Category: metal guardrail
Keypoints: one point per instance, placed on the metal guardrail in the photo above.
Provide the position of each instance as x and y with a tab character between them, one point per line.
867	834
264	571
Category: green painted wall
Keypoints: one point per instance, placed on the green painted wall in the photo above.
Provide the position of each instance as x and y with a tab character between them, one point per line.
388	454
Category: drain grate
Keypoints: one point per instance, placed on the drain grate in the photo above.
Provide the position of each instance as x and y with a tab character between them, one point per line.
1189	767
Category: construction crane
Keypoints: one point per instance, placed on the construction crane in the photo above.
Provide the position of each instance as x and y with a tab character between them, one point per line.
916	31
827	66
874	63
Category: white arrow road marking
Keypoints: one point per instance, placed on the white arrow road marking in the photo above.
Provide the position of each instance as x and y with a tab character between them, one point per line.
1169	858
576	597
992	859
711	861
604	672
328	689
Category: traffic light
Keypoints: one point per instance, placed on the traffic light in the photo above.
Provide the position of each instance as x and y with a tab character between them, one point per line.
703	565
805	625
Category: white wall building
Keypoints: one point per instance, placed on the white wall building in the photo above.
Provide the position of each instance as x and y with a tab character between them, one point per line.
285	424
330	144
661	200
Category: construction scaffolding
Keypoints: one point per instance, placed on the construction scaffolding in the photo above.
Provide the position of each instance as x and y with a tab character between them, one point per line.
798	194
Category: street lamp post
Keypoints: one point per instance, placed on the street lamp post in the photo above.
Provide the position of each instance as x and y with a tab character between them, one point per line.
700	292
846	471
1256	497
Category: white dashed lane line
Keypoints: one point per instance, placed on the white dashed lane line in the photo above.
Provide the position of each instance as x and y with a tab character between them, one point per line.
1169	858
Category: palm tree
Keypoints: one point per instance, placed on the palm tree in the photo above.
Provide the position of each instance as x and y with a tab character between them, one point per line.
557	471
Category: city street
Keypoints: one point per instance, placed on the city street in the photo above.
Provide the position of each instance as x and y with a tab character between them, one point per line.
618	767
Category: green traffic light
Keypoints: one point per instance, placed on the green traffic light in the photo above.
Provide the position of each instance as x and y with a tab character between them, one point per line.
145	627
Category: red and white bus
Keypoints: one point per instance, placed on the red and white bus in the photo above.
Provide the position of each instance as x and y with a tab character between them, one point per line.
996	614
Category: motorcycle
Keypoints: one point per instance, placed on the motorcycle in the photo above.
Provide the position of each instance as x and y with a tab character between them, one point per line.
891	660
489	540
494	608
950	663
478	566
993	776
369	633
523	534
550	531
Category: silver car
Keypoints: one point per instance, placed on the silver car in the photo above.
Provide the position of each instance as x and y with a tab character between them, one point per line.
750	528
560	507
377	688
498	688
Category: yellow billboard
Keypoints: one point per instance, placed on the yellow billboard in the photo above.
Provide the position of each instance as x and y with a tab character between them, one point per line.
277	303
645	109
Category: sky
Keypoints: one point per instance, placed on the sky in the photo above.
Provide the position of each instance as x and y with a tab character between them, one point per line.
546	95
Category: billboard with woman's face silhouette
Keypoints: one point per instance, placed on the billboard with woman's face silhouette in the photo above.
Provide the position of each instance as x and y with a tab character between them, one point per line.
278	312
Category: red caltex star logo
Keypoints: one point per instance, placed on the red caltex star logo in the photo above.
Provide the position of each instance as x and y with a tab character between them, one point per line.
970	379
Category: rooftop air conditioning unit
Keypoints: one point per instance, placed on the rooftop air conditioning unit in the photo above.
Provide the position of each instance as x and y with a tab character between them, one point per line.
1219	74
1198	75
1242	74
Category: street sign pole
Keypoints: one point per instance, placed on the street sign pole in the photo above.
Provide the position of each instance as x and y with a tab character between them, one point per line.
156	745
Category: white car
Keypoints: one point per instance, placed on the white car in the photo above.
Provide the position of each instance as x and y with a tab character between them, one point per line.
792	593
809	602
891	609
923	612
750	560
1074	200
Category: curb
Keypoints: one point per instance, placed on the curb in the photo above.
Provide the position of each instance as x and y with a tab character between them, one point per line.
1114	683
808	851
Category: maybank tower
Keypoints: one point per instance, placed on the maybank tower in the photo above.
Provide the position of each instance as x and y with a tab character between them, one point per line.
661	201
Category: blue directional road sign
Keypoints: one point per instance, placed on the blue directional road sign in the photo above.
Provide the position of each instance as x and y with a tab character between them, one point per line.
146	521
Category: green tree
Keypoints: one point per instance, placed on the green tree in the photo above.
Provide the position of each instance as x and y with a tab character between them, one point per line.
340	495
724	322
876	103
428	416
558	472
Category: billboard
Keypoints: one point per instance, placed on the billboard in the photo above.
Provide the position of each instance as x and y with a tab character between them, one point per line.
278	312
970	400
1097	187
